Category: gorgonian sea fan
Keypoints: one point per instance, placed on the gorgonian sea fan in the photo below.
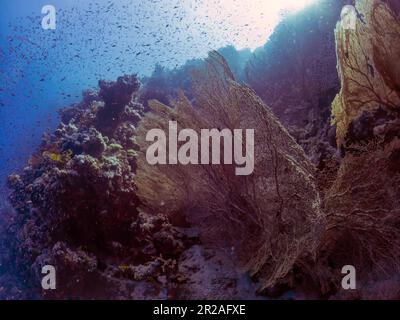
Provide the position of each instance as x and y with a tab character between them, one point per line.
271	219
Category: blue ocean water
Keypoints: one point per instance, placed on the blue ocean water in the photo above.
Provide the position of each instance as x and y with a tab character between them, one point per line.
43	70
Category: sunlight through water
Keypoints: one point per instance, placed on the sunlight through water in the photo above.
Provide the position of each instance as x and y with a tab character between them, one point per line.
247	23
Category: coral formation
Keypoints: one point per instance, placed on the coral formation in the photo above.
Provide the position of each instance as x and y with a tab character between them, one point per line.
276	211
369	72
80	212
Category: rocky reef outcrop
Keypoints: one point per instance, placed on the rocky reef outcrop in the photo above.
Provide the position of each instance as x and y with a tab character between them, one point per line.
77	208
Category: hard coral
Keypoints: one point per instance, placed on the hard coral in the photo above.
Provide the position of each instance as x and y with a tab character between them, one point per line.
81	215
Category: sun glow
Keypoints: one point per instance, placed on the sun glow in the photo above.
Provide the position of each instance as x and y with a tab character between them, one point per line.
247	24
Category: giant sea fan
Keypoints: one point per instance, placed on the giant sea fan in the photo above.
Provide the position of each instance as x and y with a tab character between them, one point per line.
362	203
271	219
